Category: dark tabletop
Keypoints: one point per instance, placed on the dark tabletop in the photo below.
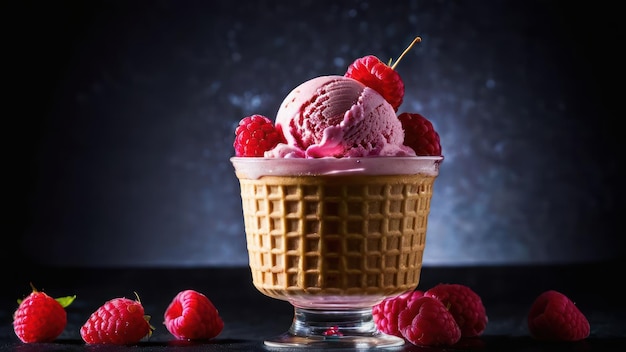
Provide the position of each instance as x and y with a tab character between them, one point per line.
249	316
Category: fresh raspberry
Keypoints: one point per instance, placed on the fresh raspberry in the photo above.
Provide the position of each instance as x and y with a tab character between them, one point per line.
464	304
427	322
255	135
192	316
386	312
554	317
379	76
40	318
419	134
119	321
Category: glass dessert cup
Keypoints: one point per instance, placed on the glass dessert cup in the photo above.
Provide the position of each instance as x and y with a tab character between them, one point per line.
334	237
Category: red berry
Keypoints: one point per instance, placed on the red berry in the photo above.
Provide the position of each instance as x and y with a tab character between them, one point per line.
255	135
333	331
386	312
419	134
427	322
464	304
192	316
40	318
119	321
554	317
379	76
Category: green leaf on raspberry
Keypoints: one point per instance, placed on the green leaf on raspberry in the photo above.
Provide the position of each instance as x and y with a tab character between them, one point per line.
65	301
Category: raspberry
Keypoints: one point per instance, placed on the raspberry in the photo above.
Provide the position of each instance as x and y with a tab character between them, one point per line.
192	316
255	135
119	321
377	75
333	331
386	312
381	77
419	134
554	317
427	322
464	304
40	318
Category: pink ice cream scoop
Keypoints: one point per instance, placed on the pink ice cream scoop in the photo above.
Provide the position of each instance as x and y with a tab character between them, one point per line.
337	116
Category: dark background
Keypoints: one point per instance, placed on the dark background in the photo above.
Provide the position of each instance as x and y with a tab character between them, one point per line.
119	118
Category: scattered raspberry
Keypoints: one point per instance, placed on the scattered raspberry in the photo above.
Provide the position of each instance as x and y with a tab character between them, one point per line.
427	322
386	312
40	318
464	304
120	321
192	316
554	317
255	135
377	75
419	134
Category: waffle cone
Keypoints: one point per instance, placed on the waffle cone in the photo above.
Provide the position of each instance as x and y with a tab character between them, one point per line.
336	235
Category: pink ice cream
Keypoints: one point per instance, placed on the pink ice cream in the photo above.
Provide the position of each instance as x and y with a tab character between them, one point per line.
336	116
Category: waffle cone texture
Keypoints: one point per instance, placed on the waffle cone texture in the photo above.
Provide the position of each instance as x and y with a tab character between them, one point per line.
336	235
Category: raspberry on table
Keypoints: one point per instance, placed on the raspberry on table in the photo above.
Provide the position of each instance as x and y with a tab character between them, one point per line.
427	322
192	316
464	304
377	75
255	135
40	317
119	321
554	317
420	135
386	312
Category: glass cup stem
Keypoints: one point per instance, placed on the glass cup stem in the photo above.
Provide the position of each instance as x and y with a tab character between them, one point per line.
353	328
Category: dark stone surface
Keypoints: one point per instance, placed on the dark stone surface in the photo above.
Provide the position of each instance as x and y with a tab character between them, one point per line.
121	114
249	317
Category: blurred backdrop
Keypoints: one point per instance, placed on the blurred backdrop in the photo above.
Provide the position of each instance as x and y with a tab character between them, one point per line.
121	114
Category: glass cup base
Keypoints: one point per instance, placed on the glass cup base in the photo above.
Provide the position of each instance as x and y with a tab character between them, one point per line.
334	329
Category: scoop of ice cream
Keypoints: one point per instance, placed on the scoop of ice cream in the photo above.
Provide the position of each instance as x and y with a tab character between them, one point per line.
337	116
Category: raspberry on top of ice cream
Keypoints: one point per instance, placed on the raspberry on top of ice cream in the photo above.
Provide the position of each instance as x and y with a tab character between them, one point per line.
354	115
